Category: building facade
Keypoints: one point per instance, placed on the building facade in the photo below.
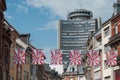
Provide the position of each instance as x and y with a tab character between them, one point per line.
94	43
9	35
34	68
110	41
106	34
26	68
14	35
46	73
114	43
4	68
111	30
73	34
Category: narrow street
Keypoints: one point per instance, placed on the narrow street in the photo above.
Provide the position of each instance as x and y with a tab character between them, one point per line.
59	40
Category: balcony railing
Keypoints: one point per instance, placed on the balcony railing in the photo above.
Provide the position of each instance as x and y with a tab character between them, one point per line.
116	36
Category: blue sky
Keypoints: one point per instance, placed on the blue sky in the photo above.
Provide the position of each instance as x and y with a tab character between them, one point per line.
40	17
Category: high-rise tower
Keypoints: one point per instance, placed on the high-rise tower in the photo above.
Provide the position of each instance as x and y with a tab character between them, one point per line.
73	34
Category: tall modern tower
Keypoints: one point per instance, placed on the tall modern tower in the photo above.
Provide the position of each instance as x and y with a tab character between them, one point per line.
73	33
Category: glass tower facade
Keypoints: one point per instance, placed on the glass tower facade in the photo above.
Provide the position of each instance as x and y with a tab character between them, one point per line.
73	32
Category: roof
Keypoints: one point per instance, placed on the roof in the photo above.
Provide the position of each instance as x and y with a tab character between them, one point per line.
110	19
27	34
32	46
114	17
106	22
81	10
6	22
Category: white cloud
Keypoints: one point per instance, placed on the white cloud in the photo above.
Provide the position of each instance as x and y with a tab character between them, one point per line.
100	8
22	8
50	25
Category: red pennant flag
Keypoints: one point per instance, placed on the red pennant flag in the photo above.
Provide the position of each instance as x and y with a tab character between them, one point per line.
56	57
37	57
93	57
75	57
19	56
111	57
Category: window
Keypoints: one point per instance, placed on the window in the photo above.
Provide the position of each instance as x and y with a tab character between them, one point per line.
19	72
107	78
116	29
105	65
11	62
106	31
5	75
25	75
72	69
65	69
80	69
11	78
27	59
6	55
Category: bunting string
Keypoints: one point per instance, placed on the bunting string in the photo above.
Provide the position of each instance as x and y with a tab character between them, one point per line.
75	57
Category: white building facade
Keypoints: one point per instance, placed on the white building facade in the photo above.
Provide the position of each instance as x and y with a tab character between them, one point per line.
106	34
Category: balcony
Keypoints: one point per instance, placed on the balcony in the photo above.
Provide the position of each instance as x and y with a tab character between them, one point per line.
114	39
